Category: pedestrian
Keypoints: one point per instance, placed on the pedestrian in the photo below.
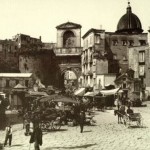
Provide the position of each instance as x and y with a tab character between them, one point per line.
82	121
27	126
117	102
8	136
36	137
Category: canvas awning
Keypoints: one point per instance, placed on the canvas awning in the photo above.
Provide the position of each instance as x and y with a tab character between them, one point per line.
36	94
91	94
111	92
80	92
57	98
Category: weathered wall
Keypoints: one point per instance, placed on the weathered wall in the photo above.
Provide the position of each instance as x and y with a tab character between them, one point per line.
42	65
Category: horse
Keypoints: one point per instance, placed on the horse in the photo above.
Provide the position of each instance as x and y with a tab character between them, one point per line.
121	113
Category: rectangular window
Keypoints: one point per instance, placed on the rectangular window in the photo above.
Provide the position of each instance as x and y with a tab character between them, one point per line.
124	42
136	87
17	81
131	43
124	85
115	56
7	83
90	39
142	56
141	70
97	39
115	42
142	42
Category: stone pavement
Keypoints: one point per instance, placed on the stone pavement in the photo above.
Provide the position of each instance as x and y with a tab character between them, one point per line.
107	135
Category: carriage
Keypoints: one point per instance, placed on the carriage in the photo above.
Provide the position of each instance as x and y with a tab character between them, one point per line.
129	119
51	119
134	117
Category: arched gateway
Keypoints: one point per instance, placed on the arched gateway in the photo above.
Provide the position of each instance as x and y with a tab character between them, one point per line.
68	53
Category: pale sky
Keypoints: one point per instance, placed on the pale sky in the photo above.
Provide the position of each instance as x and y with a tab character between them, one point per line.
40	17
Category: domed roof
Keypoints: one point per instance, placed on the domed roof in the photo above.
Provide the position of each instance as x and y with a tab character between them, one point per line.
129	23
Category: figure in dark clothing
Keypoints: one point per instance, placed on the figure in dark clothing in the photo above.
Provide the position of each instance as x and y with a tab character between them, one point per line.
82	120
36	137
8	135
129	111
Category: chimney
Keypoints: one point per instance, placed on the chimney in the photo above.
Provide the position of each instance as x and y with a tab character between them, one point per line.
40	38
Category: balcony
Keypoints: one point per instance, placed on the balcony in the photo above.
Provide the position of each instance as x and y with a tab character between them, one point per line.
68	51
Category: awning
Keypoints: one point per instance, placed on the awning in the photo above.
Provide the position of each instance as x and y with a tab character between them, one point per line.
91	94
79	92
111	92
36	94
57	98
49	98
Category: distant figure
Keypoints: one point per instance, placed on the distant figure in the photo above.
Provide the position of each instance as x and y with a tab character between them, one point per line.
117	103
129	102
8	135
27	126
36	137
129	111
81	121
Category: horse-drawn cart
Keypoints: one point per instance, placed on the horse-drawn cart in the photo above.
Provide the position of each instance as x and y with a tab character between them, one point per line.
134	117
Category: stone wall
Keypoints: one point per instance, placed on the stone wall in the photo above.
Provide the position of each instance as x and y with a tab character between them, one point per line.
41	64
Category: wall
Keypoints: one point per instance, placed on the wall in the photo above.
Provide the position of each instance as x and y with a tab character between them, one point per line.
133	54
101	66
119	50
41	64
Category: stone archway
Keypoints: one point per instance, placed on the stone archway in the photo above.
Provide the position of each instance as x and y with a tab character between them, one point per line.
70	75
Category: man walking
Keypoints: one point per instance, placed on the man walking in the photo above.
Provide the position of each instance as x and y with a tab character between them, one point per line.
8	135
81	121
36	137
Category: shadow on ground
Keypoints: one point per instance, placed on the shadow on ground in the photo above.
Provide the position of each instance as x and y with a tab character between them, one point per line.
135	127
50	130
17	145
71	147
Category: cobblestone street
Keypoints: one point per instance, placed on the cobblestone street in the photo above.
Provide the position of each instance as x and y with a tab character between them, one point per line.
106	135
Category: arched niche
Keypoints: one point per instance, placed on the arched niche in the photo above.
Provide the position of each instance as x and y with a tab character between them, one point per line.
68	39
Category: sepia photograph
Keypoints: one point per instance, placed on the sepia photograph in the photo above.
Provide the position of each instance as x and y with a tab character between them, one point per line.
74	75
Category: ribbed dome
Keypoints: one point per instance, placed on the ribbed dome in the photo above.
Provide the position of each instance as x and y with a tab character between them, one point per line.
129	23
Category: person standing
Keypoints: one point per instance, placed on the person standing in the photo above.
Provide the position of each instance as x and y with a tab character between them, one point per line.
82	121
36	137
8	135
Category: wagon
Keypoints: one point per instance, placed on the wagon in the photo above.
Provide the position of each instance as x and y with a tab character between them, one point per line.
134	117
50	119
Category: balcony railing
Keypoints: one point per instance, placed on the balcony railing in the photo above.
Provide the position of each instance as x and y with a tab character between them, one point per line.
68	51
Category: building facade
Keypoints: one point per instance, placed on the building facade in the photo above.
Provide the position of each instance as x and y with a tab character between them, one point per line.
68	53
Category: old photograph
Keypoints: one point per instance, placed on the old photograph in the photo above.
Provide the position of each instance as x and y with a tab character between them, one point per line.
74	75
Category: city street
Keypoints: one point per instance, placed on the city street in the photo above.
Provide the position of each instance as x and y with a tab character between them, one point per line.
106	135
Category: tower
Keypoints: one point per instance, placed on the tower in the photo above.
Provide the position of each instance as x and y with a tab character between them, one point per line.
68	51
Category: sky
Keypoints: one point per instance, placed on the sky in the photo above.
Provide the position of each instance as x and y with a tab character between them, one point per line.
40	17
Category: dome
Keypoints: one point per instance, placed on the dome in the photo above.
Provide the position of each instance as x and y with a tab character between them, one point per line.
129	23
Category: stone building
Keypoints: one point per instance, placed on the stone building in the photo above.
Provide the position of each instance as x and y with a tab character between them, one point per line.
94	61
17	82
41	63
8	56
24	42
68	52
112	52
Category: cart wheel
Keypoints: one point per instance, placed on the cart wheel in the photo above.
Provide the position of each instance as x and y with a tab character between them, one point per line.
56	125
127	122
140	122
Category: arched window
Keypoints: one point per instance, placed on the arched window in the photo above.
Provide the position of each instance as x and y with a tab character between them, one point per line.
68	39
